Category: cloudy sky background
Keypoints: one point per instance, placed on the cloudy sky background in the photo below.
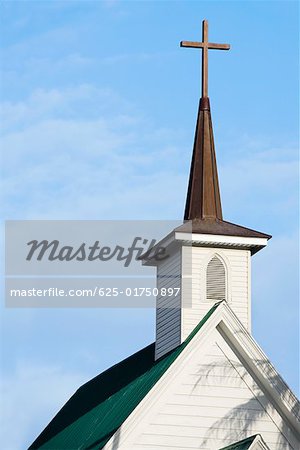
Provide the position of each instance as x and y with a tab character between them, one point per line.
98	108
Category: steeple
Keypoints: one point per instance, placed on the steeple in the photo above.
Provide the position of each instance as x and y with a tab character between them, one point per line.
203	197
209	259
203	204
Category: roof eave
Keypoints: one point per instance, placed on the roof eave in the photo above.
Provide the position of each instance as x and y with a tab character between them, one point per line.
177	239
254	244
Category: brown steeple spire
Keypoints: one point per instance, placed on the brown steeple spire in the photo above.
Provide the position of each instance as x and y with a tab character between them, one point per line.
203	197
203	203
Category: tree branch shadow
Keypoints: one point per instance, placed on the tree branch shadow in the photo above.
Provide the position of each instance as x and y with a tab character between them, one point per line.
242	420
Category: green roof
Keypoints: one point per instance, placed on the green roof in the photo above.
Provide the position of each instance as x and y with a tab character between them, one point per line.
245	444
99	407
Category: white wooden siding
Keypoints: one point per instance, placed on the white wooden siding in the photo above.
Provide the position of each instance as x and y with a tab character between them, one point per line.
168	308
194	263
209	405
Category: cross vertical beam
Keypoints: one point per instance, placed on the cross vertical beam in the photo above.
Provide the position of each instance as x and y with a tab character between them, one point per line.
205	46
205	59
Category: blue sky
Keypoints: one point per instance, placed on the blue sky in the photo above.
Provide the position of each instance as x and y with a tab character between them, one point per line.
98	108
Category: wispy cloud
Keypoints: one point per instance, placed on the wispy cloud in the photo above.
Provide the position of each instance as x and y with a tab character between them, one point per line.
260	187
134	57
82	146
26	401
83	101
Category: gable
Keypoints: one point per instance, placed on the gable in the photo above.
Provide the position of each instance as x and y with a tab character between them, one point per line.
209	398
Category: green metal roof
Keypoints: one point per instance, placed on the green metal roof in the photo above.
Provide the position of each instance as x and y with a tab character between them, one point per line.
99	407
241	445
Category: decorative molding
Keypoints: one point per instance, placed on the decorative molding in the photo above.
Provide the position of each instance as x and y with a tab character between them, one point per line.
221	239
176	238
258	444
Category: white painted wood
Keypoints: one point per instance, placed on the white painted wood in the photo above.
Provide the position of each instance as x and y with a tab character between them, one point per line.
168	308
205	239
195	406
237	267
259	444
207	413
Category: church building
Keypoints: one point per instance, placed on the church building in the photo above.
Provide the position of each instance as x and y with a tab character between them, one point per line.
204	384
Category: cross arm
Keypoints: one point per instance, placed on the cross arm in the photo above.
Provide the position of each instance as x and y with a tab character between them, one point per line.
192	44
218	46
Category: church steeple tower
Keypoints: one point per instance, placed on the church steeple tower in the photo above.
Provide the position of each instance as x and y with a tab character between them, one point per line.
209	258
203	204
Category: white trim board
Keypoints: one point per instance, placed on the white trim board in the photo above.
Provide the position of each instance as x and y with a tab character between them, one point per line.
207	240
258	444
221	239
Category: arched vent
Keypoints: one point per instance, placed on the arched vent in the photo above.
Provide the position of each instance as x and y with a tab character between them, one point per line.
215	280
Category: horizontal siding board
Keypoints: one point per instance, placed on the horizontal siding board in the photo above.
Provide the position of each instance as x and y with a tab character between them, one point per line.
192	441
206	421
240	393
166	349
168	313
168	302
168	328
168	340
191	406
202	432
177	439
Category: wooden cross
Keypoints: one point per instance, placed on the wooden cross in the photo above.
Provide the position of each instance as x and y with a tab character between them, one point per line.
204	45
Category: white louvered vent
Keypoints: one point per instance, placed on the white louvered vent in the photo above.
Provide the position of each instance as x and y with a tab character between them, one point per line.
215	280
